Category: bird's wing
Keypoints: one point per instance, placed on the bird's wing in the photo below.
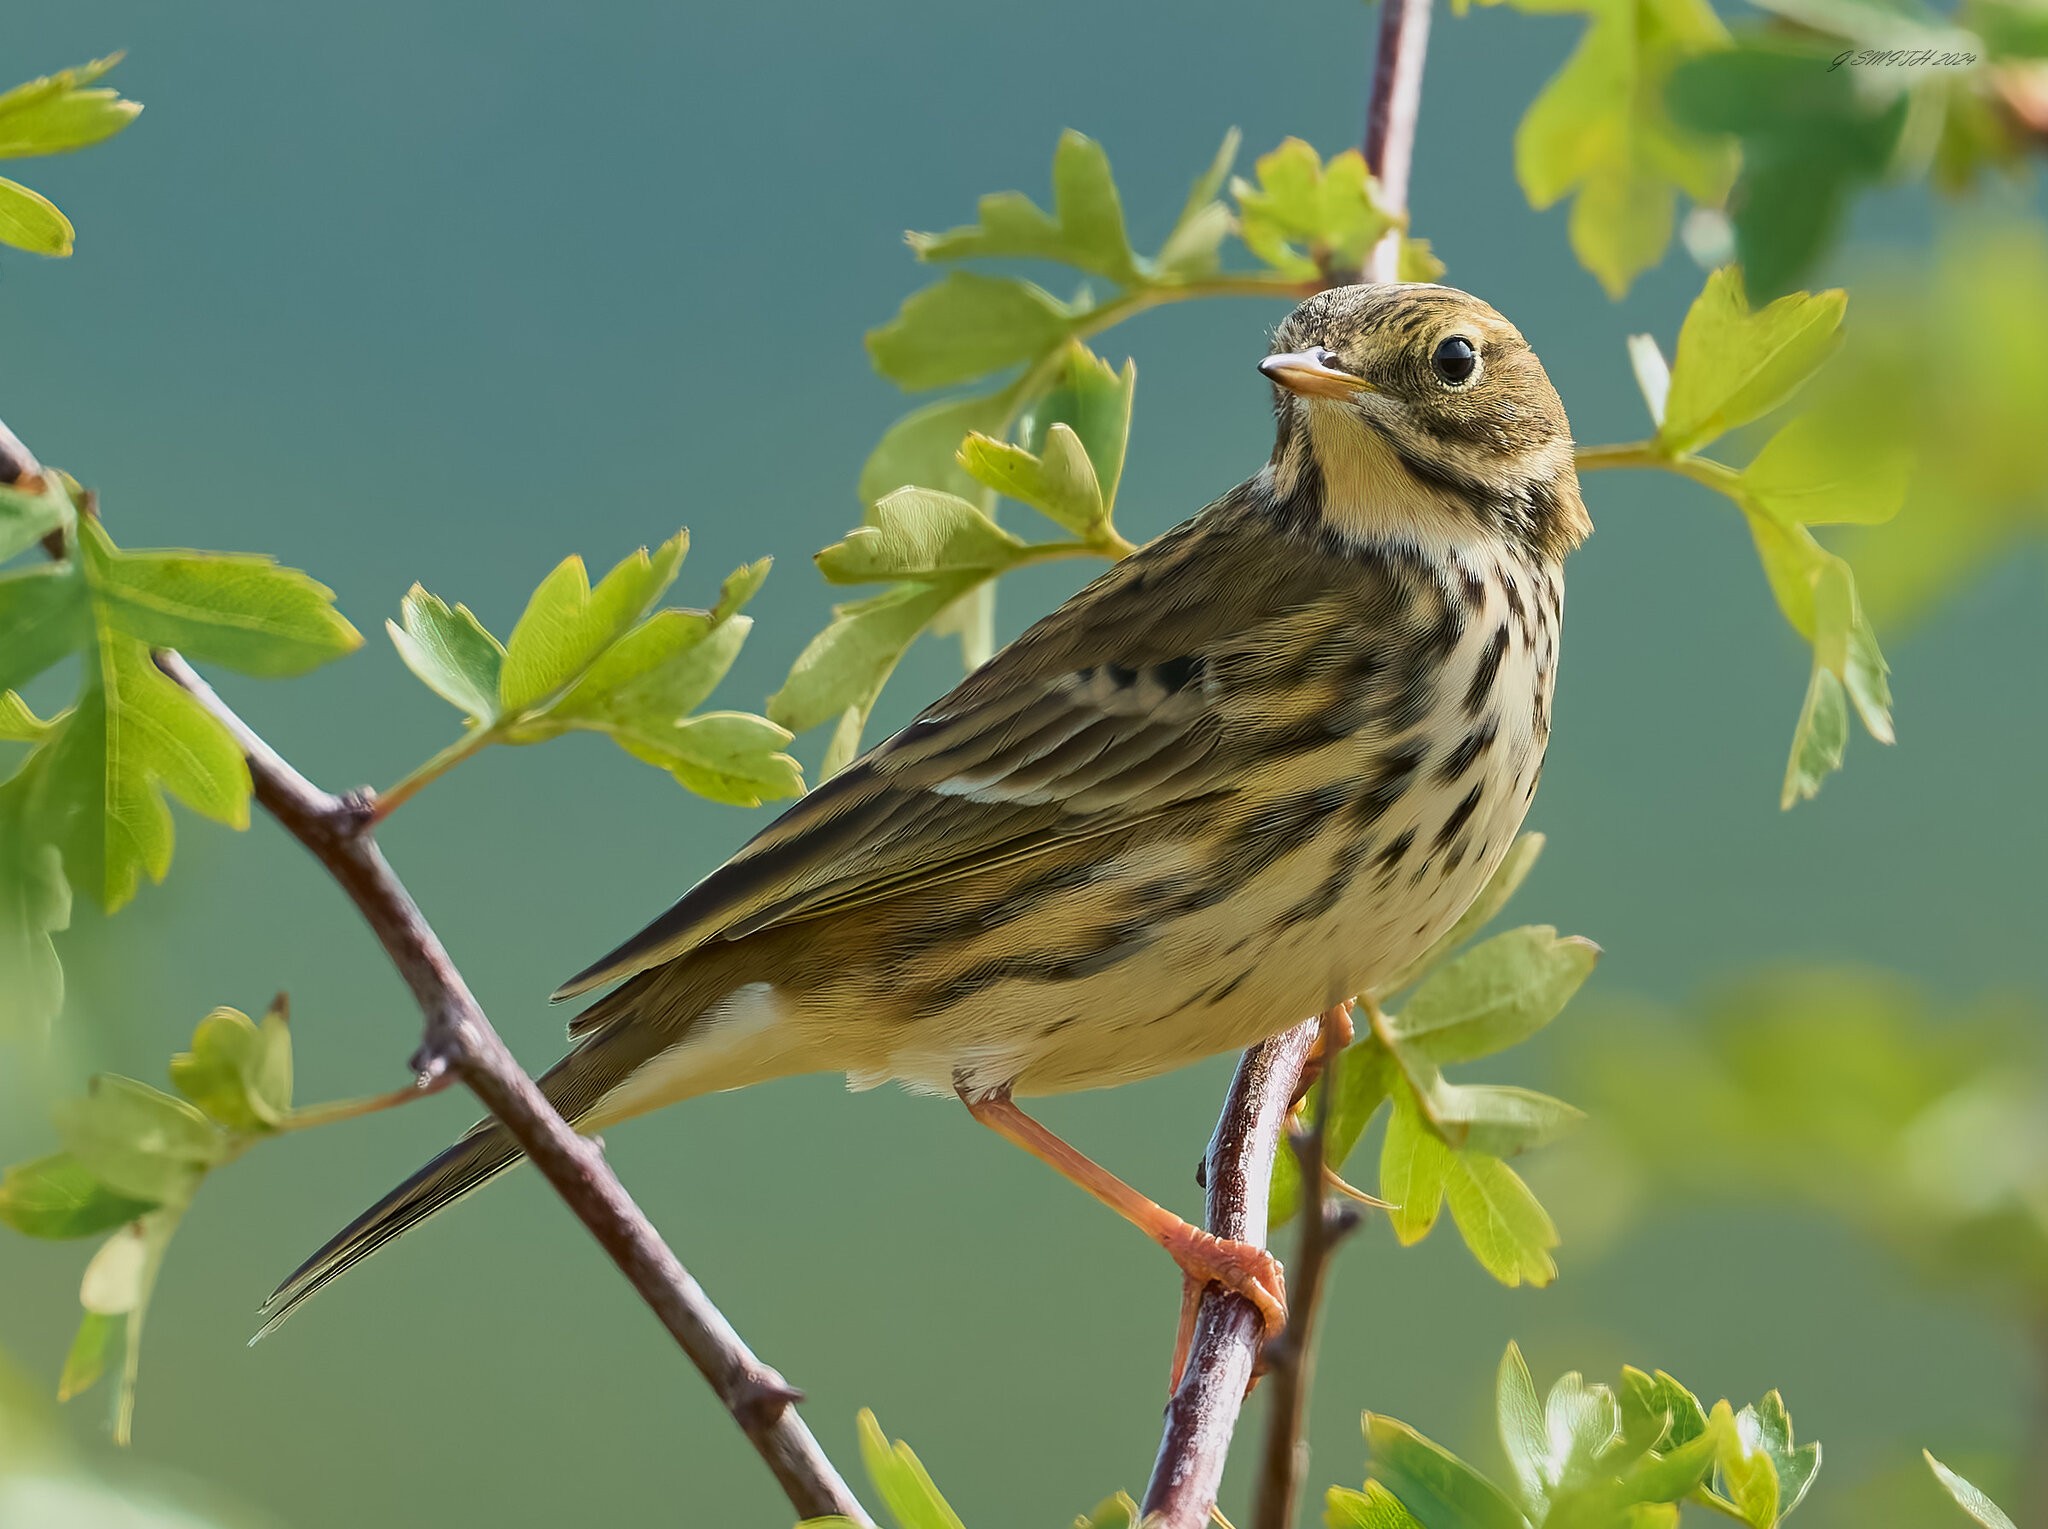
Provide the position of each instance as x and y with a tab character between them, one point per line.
1111	711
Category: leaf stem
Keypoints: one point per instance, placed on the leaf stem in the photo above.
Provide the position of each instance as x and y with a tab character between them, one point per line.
1715	475
313	1116
471	743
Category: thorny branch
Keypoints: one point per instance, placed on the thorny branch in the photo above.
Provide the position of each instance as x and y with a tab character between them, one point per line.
459	1042
1203	1412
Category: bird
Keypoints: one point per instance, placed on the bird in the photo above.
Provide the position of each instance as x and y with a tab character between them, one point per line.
1246	774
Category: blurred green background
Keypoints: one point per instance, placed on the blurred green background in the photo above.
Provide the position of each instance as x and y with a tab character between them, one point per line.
444	293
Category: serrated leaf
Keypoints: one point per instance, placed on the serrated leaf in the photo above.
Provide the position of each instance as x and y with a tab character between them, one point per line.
132	737
1523	1434
920	450
237	1072
1415	1165
1968	1498
728	756
1734	366
1812	474
1766	1428
918	533
86	1360
842	670
57	1197
1494	996
45	614
1744	1476
58	113
1060	485
1303	215
35	902
450	651
1093	400
1599	129
30	221
1086	228
1198	233
1374	1508
137	1140
1437	1487
1503	1224
965	327
30	512
567	623
1657	1412
1497	1119
901	1480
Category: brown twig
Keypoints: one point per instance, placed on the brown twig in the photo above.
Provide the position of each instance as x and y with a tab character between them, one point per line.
1203	1412
1290	1363
459	1041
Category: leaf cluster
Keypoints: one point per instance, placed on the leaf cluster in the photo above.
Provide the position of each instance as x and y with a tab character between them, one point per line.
1448	1143
53	115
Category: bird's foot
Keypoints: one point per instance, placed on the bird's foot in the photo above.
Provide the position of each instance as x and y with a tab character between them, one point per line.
1206	1259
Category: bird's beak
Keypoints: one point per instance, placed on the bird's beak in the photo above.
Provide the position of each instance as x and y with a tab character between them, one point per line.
1309	373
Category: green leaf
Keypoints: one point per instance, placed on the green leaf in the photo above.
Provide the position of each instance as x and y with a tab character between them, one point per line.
238	1074
1513	870
1496	995
1374	1508
920	449
1304	216
918	533
1744	1476
133	736
1810	136
244	612
1204	223
1497	1119
56	1197
20	725
137	1140
86	1360
840	673
965	327
30	221
901	1480
1734	366
35	902
1599	129
1061	485
29	512
58	113
1818	739
1968	1498
1086	228
1439	1489
728	756
1658	1412
1094	401
1810	473
1364	1077
448	648
567	624
1523	1434
1507	1230
1415	1166
1766	1428
44	615
1118	1512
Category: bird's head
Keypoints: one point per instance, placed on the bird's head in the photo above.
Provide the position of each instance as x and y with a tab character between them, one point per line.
1414	410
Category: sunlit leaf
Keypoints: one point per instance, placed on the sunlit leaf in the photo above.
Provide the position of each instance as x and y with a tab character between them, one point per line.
1415	1164
1374	1508
1437	1487
902	1481
917	533
1093	400
567	623
450	651
965	327
1968	1498
1523	1435
1086	228
1734	365
1808	474
30	221
1301	215
1060	485
1501	1221
60	112
1494	996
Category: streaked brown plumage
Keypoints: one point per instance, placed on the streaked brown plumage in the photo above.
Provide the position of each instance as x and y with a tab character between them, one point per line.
1242	777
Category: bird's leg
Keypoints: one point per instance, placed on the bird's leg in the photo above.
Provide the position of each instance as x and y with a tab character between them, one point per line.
1335	1031
1203	1257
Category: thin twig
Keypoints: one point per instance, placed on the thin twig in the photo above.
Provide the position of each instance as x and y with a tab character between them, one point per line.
1290	1363
1203	1412
459	1041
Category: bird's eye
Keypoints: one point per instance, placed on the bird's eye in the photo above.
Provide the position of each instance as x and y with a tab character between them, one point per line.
1455	360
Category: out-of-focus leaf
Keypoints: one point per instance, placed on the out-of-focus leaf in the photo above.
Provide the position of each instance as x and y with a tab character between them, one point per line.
1968	1498
1496	995
448	648
28	513
238	1073
1653	374
1810	135
1766	1428
1303	216
1735	365
115	1279
1086	228
1745	1478
965	327
1118	1512
919	533
902	1481
59	112
30	221
1198	233
35	903
56	1197
1805	476
920	449
87	1359
20	725
1523	1434
1432	1483
45	613
567	624
1374	1508
137	1140
1599	132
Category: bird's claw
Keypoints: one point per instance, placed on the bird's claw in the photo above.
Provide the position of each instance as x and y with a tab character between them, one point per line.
1249	1271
